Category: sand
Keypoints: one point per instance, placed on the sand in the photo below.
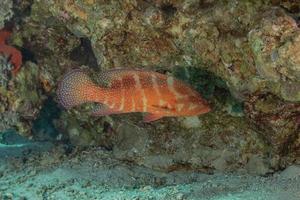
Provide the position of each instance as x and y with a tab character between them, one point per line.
43	170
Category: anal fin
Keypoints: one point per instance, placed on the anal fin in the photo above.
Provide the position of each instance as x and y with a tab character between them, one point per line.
102	110
149	117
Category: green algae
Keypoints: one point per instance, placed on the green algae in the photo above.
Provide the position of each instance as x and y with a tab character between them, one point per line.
257	46
26	84
6	11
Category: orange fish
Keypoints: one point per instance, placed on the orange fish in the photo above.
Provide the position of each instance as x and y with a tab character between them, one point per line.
14	54
129	90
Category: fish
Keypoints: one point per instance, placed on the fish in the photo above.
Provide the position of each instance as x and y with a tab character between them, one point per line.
119	91
14	54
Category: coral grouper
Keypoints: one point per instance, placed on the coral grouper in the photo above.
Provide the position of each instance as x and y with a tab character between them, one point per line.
128	90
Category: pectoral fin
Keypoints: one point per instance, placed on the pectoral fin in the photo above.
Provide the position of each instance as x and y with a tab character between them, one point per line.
102	110
149	117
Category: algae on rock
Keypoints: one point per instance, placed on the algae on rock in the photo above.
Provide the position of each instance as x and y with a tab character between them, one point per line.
5	11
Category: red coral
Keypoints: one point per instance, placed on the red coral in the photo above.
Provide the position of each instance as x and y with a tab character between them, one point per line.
10	51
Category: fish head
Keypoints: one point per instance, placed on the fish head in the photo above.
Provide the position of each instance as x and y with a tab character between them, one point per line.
196	105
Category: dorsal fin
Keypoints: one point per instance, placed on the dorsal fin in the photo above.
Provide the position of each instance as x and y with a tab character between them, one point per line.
109	77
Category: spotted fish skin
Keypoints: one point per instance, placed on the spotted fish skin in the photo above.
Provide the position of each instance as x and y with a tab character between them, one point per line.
129	90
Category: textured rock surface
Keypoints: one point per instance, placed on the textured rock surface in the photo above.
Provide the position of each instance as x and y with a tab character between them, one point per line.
243	56
277	51
5	11
257	51
278	120
42	171
5	70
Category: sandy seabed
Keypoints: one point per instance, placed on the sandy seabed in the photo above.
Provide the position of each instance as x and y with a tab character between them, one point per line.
48	171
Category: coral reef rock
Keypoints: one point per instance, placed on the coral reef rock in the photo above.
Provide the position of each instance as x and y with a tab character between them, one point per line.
5	11
242	56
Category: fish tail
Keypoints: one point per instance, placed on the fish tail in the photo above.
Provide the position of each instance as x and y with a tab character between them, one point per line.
77	88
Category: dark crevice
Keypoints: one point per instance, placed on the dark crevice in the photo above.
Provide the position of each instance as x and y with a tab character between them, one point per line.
211	87
21	9
169	10
84	55
43	127
27	55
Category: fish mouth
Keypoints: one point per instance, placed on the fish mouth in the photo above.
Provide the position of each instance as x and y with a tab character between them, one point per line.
205	110
206	107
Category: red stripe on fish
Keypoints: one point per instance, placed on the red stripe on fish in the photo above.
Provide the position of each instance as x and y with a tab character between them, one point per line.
127	91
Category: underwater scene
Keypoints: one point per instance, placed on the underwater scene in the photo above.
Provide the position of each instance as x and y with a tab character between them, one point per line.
150	99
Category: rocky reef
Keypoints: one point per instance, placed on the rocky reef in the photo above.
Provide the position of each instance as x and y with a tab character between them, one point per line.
6	11
242	56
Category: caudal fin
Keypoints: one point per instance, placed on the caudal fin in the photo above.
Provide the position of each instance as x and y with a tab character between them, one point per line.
76	88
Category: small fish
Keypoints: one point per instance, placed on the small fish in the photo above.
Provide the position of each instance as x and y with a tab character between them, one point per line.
129	90
10	51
